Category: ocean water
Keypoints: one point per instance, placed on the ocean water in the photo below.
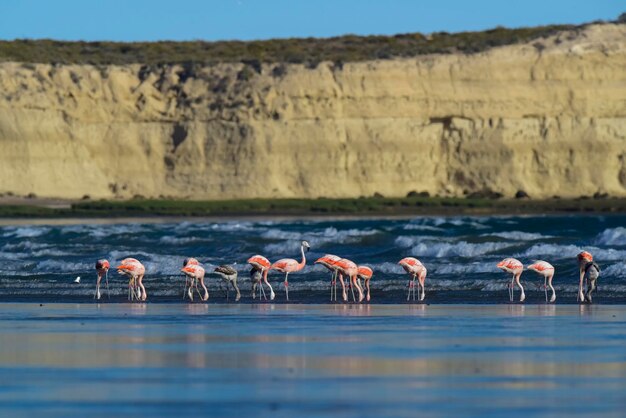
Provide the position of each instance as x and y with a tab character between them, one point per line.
306	360
38	263
466	351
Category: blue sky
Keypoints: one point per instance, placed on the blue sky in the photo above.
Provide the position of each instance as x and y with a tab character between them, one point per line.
135	20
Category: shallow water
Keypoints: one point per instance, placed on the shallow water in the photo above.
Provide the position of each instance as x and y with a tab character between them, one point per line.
283	360
38	263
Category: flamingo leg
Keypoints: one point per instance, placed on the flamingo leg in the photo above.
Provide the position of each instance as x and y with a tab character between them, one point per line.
511	290
414	282
517	281
238	293
421	281
358	288
367	286
261	290
545	287
352	289
206	291
272	294
106	280
408	296
344	295
287	286
553	297
97	294
332	283
580	297
335	284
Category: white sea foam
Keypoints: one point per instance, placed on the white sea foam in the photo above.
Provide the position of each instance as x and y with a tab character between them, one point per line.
464	268
555	251
405	241
293	239
25	231
458	249
614	270
172	240
612	236
517	235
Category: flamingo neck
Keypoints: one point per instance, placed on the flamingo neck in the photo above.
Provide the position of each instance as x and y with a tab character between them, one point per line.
303	262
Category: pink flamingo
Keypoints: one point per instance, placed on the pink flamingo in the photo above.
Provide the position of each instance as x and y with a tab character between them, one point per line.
190	261
135	271
349	269
195	274
418	271
102	269
365	273
545	269
583	257
515	267
289	265
260	267
327	261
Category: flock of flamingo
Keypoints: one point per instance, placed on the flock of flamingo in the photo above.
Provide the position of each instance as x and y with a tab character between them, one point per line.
340	268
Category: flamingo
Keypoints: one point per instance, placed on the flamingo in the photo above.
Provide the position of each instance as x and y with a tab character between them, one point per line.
546	270
191	262
289	265
195	273
349	269
418	271
515	267
583	257
102	269
365	273
260	267
135	271
229	274
328	262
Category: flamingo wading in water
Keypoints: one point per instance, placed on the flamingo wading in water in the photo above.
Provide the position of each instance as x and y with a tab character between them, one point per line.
349	269
135	271
190	261
102	269
365	273
260	267
289	265
328	261
583	257
229	274
195	273
515	267
418	271
545	269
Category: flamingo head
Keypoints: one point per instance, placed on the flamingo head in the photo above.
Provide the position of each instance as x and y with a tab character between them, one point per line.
584	257
306	245
255	274
190	261
102	266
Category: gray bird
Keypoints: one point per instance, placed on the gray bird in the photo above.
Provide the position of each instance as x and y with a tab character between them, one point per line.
229	274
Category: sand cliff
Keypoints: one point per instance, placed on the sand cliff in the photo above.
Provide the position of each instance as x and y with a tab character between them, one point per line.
548	118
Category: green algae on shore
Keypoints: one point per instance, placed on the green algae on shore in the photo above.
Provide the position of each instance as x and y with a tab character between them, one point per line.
323	206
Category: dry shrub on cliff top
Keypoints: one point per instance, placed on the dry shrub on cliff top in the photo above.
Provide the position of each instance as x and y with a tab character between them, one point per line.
297	50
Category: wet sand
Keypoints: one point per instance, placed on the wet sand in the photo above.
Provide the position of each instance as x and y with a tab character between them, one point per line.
312	360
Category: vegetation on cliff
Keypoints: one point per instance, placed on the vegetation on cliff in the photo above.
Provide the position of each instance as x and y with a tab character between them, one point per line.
371	206
348	48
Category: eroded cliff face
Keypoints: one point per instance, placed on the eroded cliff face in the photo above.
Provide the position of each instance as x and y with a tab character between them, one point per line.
548	118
